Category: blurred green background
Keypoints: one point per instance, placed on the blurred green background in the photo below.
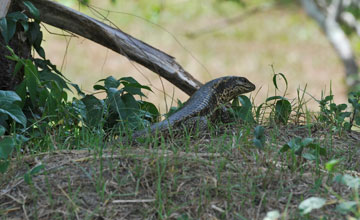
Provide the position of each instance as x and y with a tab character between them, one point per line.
282	36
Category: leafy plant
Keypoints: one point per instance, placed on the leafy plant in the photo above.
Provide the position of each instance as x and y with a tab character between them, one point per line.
281	107
259	137
243	111
334	114
120	106
297	145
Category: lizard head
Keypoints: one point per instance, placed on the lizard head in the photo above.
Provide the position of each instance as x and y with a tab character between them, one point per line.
229	87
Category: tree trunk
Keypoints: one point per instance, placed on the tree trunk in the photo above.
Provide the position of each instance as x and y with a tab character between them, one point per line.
21	47
336	36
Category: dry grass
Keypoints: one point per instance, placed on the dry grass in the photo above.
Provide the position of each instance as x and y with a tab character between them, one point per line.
209	177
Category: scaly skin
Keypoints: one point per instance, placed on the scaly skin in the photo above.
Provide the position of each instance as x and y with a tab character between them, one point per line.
203	103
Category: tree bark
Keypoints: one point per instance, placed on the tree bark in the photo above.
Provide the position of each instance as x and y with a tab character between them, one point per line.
8	81
336	36
159	62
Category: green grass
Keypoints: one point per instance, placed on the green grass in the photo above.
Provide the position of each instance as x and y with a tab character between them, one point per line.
218	173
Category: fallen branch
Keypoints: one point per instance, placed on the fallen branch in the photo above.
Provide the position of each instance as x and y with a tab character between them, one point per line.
159	62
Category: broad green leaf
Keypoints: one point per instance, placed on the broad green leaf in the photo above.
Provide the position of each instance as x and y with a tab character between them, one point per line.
150	110
311	203
47	75
134	89
111	82
331	164
259	131
94	110
32	81
16	16
14	111
4	30
18	67
244	111
32	9
352	182
11	29
282	111
27	178
258	143
4	166
37	169
309	156
21	91
6	147
9	96
345	207
99	87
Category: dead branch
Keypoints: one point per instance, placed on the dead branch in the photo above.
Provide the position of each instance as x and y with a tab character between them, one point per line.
154	59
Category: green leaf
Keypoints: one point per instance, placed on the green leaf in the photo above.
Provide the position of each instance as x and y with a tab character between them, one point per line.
294	144
94	110
331	164
258	143
27	178
275	80
16	16
275	98
4	166
32	81
306	141
150	110
18	67
78	90
282	111
352	182
259	139
11	29
311	203
2	130
99	87
134	89
345	207
111	82
9	96
21	91
14	111
6	147
309	156
47	75
4	30
259	131
29	174
244	111
36	169
32	9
